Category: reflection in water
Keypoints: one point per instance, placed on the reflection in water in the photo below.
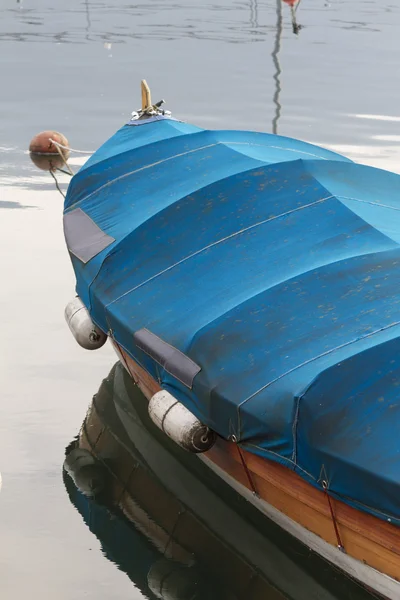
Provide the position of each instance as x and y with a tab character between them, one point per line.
277	66
296	27
294	5
47	162
254	13
120	24
11	204
88	19
166	520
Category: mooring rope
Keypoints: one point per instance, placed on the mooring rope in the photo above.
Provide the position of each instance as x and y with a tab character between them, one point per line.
58	145
245	467
63	158
57	184
335	526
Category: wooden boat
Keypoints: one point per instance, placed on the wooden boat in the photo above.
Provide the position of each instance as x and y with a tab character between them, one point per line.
248	283
173	526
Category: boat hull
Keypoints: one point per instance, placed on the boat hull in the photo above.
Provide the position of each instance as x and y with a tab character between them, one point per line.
371	553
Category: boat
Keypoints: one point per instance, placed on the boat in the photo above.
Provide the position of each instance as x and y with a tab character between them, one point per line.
248	283
170	523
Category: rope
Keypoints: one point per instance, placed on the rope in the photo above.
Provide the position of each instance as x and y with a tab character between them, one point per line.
57	144
150	111
335	526
245	467
62	171
57	185
60	152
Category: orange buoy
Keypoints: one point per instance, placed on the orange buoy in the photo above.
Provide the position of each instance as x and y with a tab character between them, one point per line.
290	2
41	143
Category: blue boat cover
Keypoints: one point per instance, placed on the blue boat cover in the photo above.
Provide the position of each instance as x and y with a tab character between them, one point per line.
274	266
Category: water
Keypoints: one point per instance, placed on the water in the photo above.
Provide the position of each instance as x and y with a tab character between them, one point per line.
167	521
76	66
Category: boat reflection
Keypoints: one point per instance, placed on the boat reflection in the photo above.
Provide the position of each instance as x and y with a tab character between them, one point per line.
176	529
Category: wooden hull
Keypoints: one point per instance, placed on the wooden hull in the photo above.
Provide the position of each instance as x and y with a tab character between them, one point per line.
372	546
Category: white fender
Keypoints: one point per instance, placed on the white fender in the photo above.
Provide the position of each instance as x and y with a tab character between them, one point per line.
86	471
171	581
86	333
174	419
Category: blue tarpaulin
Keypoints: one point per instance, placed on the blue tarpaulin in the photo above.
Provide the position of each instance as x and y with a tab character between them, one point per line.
274	266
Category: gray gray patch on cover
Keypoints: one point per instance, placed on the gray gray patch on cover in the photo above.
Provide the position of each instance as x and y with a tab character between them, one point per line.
171	359
84	238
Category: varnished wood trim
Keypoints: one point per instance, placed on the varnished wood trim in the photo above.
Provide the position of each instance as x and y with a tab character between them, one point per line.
365	537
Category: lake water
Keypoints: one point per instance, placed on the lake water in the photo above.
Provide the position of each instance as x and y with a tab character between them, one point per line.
76	67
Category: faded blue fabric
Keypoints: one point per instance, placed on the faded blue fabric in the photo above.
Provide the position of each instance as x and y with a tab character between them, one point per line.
272	264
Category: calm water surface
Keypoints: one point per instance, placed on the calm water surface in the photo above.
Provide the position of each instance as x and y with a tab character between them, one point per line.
76	66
